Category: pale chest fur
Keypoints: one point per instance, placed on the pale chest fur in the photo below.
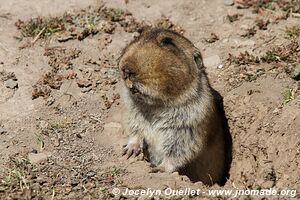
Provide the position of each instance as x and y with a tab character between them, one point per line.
164	130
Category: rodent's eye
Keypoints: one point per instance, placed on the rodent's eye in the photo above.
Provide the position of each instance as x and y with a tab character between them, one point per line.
166	41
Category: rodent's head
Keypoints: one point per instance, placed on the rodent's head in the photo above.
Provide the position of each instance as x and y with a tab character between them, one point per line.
160	66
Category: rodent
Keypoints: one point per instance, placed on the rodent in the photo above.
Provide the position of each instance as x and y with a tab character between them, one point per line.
172	116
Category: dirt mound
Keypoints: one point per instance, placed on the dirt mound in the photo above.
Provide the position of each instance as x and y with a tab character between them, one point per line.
61	108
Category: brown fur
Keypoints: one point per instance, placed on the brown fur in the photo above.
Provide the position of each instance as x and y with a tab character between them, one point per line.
172	113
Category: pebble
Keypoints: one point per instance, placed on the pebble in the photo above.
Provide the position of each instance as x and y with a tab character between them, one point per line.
225	40
212	61
37	157
113	128
50	101
83	83
44	124
86	89
220	66
228	2
11	84
34	151
244	27
276	111
2	130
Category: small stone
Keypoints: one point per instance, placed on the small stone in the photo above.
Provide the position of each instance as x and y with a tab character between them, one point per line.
56	142
87	89
276	111
228	2
37	157
34	151
225	40
50	100
40	180
113	128
231	80
90	174
244	27
44	124
83	83
11	84
2	130
212	61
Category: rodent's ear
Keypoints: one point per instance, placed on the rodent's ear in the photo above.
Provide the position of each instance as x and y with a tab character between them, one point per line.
198	58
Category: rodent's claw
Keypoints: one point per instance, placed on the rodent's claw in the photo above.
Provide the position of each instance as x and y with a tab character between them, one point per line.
131	150
137	152
125	149
129	153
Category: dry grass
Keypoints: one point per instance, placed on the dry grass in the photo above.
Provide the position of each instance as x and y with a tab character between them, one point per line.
293	31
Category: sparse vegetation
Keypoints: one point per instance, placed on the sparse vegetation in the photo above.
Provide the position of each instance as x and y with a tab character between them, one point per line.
79	83
116	14
15	176
293	31
23	179
296	72
243	59
286	6
74	26
288	53
270	56
253	76
41	25
276	60
288	95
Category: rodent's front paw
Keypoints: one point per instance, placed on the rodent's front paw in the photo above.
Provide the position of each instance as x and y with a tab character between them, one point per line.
132	148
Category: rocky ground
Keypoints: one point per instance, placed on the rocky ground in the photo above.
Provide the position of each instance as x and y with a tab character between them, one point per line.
61	112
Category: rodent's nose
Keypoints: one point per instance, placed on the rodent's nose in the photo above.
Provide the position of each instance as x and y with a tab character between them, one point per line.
127	73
